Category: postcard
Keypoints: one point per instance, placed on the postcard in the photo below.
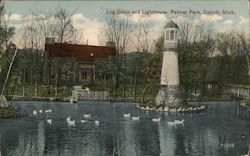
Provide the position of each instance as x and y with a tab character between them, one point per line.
124	78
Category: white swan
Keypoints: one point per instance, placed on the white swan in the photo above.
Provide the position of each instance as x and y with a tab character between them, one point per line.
203	107
171	123
70	122
179	109
72	100
176	122
179	121
48	111
87	115
160	109
136	118
83	121
97	122
49	121
156	119
126	115
173	110
184	109
34	112
40	111
68	118
166	109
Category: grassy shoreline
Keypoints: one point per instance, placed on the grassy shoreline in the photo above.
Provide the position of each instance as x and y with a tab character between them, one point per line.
147	101
9	113
246	101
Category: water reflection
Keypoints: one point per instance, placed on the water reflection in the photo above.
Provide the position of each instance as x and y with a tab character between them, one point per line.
218	131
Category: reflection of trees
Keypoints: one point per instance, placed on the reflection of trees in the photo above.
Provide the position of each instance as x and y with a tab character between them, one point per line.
9	141
53	139
40	138
113	139
206	134
128	140
147	143
180	141
18	141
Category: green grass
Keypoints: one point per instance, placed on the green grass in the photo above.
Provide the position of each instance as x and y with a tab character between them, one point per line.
215	98
9	113
246	101
65	93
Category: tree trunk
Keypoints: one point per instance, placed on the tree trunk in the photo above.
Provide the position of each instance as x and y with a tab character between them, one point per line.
24	81
44	73
135	81
57	78
124	91
49	72
105	82
74	71
36	75
9	70
114	93
36	85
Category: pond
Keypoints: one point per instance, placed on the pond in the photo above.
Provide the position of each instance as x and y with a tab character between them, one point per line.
218	131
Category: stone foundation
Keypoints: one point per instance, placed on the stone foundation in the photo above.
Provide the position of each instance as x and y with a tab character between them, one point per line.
169	96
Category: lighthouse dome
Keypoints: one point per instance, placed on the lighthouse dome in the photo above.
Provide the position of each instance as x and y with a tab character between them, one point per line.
171	24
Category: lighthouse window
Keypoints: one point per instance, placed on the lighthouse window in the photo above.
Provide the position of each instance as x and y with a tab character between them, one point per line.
167	35
172	35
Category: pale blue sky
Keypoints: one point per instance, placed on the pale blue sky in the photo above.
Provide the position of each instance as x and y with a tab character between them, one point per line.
95	8
94	12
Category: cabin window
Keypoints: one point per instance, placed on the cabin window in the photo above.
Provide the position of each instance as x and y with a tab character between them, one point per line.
172	35
84	74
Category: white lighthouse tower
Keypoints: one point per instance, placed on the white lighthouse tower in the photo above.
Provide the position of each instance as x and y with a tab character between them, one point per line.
169	93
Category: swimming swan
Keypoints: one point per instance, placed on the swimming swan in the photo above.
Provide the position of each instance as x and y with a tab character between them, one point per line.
87	115
49	121
126	115
136	118
156	119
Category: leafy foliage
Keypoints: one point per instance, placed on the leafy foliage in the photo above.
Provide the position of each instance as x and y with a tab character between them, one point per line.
152	70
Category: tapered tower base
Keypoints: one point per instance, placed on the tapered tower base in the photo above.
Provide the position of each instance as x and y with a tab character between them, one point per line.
169	96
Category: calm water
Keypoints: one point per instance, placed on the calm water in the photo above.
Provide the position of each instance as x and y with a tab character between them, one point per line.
218	131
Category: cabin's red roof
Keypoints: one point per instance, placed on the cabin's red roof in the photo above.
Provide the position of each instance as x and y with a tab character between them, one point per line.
80	52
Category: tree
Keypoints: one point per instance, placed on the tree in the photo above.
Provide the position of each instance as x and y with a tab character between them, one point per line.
152	70
9	71
6	33
63	29
234	53
118	30
193	62
141	37
32	40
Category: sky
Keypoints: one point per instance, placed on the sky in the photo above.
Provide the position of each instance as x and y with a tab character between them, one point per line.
89	16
